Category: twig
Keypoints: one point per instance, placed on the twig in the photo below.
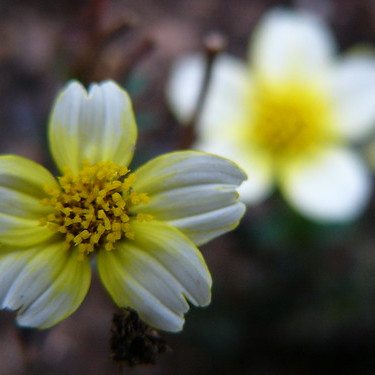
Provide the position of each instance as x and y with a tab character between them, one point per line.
214	43
142	48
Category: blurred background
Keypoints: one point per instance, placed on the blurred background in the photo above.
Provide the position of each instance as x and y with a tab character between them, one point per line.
290	296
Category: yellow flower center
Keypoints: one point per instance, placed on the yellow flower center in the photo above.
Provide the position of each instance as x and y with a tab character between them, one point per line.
92	207
290	120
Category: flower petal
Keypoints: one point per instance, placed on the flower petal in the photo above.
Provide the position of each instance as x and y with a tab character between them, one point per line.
256	164
95	126
153	273
291	44
226	96
335	186
354	95
45	284
21	192
192	191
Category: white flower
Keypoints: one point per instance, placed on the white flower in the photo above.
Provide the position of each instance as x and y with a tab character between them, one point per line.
289	116
142	228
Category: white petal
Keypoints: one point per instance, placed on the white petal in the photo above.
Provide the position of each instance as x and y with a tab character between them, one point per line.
291	44
153	272
11	264
17	231
97	125
256	164
226	96
194	191
21	193
354	95
204	227
44	284
188	201
25	176
335	186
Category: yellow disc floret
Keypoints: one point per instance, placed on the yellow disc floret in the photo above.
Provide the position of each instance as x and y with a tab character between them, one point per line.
290	120
92	207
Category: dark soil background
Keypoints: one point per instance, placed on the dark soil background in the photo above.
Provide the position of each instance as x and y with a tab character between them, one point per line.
289	296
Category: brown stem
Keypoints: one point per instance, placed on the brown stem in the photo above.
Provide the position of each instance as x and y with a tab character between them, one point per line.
214	43
118	30
95	12
143	47
120	67
92	65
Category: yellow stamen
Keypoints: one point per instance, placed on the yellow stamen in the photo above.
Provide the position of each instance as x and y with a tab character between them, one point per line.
290	120
91	209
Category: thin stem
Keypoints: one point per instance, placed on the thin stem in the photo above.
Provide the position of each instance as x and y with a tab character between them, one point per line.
214	43
141	48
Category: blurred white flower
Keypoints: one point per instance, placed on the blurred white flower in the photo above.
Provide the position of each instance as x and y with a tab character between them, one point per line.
288	116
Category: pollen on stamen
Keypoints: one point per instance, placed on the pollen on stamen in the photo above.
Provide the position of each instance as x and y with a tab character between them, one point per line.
91	207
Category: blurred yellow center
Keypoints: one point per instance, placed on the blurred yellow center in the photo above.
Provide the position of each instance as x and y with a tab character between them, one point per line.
290	120
92	208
